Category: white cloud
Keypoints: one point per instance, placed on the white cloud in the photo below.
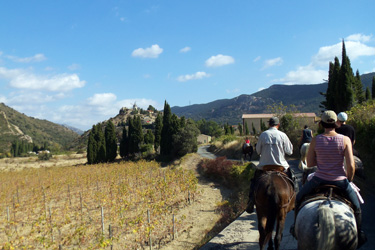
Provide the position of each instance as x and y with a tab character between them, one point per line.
102	99
358	38
152	52
354	49
219	60
24	79
304	75
74	66
184	50
35	58
195	76
257	59
273	62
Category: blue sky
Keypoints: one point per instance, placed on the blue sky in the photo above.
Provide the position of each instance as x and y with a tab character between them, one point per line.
78	62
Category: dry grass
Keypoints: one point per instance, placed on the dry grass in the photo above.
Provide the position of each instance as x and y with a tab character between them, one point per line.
21	163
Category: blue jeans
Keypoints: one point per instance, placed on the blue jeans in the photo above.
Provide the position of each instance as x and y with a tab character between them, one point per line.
343	184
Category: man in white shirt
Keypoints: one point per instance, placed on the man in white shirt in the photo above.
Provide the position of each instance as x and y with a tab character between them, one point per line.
272	146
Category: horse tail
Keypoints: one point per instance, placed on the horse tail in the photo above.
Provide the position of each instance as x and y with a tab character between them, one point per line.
326	221
273	207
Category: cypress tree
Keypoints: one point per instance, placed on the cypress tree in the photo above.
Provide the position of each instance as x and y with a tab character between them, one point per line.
124	144
100	139
240	129
368	94
344	96
373	88
358	89
91	147
158	129
149	138
247	132
166	133
110	142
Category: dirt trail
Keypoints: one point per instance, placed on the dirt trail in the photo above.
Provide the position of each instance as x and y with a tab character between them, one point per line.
201	215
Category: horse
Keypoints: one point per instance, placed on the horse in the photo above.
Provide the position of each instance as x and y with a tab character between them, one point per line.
326	222
247	150
274	198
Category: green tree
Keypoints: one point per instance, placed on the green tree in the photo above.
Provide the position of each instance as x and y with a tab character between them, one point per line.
135	135
124	144
333	77
263	126
110	142
368	94
185	140
253	128
149	137
344	94
373	88
240	129
166	133
358	89
158	129
247	132
91	147
100	139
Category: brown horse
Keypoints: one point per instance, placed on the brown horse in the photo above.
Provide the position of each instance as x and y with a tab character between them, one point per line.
274	198
247	150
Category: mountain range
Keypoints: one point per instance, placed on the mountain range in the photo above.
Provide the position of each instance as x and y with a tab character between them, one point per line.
306	98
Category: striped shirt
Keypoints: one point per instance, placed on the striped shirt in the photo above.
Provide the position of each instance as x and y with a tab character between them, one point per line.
330	157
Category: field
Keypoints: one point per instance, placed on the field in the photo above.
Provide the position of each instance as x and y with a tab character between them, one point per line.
127	205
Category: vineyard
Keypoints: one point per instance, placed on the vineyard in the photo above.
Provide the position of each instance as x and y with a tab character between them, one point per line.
128	205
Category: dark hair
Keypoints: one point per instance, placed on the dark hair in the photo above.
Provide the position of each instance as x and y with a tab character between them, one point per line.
328	125
306	127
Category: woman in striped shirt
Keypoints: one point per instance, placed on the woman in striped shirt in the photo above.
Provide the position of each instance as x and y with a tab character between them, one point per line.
327	151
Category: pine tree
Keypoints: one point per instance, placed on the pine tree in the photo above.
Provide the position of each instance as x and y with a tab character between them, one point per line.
333	77
373	88
158	129
166	133
110	142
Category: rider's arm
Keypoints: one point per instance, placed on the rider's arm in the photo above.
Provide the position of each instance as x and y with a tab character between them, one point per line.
350	165
311	155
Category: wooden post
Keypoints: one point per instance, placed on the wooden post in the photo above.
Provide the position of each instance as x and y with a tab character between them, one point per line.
70	200
102	220
149	225
174	228
80	198
8	217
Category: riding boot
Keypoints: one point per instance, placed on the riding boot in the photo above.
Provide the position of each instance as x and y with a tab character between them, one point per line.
290	174
362	238
251	202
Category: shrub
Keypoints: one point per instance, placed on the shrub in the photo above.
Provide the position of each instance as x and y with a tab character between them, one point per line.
44	156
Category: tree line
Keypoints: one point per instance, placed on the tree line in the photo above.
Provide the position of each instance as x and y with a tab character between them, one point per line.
171	137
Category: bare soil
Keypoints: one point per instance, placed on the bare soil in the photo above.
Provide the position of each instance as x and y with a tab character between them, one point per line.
202	214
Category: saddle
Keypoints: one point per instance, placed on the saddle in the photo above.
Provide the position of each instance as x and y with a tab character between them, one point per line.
324	192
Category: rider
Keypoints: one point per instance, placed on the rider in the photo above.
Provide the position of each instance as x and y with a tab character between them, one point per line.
327	152
345	129
272	146
306	136
247	142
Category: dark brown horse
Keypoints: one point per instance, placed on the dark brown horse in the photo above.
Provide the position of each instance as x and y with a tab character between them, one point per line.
274	198
247	150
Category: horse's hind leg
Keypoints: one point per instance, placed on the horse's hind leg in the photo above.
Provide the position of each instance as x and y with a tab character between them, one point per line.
279	231
262	232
